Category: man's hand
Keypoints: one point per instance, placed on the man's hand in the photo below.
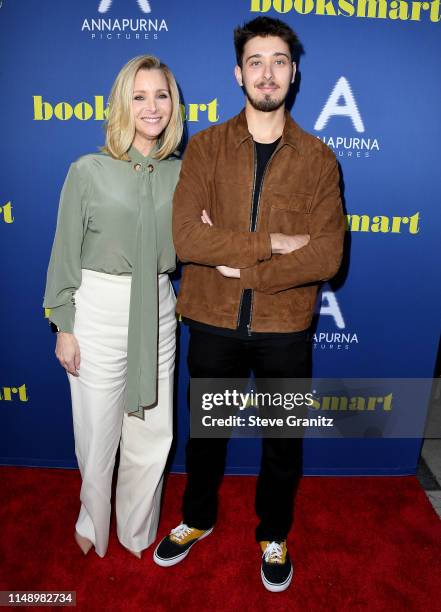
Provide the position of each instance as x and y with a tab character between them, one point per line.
67	351
206	219
229	272
282	244
224	270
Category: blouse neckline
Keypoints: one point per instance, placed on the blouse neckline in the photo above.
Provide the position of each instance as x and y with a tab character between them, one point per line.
135	155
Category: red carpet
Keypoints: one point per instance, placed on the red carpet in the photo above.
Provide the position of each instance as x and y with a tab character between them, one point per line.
369	544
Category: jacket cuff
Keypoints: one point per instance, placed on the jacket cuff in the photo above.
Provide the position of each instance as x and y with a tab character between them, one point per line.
262	245
248	277
63	317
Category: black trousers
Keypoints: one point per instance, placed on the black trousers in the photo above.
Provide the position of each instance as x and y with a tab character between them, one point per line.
216	356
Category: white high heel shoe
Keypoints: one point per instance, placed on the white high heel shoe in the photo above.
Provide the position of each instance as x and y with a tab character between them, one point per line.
84	543
138	555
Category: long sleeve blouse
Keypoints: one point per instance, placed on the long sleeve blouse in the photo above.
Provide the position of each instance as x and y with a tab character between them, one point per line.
114	217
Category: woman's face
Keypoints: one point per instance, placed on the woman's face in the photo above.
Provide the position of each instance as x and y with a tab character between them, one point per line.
151	104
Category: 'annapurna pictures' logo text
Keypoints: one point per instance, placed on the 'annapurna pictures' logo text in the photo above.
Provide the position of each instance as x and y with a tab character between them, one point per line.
124	28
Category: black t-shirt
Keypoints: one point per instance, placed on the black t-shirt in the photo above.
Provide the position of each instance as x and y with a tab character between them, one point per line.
263	152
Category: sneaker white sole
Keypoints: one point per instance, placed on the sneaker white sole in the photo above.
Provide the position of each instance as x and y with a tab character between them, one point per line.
276	588
174	560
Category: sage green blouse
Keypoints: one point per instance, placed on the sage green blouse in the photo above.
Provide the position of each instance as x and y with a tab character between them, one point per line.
115	217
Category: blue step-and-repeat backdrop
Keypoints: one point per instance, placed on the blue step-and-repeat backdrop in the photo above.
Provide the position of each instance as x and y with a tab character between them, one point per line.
370	88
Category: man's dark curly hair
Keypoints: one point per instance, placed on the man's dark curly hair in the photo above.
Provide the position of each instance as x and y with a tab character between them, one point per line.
265	26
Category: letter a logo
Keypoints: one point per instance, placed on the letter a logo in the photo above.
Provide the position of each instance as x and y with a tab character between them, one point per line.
329	306
349	108
105	5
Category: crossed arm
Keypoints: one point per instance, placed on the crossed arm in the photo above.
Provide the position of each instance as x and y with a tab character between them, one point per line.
281	244
195	237
265	262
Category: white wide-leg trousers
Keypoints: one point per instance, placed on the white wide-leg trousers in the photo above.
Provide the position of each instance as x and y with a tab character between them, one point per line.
100	423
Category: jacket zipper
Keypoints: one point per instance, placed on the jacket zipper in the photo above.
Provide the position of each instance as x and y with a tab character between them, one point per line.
255	222
251	223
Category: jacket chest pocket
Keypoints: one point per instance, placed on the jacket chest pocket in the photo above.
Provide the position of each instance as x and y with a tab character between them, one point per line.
289	213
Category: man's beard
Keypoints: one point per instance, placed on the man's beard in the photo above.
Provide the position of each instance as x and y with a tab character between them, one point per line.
267	104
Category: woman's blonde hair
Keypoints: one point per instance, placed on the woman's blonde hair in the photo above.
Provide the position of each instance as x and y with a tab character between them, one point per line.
120	124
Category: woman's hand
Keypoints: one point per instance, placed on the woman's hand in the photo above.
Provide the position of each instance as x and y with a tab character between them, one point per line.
224	270
67	351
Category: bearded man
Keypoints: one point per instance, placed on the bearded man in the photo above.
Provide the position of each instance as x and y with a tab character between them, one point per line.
258	224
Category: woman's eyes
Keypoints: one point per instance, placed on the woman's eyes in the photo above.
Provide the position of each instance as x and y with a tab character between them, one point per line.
162	96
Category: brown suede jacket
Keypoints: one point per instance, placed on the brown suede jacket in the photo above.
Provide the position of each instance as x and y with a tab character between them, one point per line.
299	195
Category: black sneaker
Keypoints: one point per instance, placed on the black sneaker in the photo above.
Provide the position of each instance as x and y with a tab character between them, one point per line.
276	569
176	546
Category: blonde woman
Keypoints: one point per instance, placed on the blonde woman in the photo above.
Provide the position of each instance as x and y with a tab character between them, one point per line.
113	307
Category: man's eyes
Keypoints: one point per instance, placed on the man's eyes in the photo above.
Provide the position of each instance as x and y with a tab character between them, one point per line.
279	62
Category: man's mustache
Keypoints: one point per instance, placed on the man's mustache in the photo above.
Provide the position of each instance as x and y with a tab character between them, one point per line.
267	84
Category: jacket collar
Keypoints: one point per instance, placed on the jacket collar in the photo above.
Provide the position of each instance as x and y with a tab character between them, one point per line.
290	136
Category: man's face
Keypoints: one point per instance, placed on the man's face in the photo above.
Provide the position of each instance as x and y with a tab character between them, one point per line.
267	72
